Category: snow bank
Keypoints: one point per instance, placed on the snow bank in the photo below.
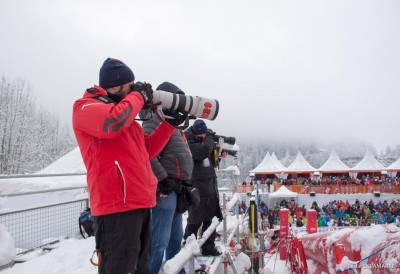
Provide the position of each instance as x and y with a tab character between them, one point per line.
7	247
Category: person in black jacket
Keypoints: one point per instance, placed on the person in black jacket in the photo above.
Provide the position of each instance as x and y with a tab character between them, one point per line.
271	219
202	146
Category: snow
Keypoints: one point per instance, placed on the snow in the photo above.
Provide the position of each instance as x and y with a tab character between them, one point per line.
73	255
7	248
243	262
69	163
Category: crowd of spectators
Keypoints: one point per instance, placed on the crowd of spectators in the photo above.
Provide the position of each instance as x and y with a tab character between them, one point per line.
335	213
335	180
383	183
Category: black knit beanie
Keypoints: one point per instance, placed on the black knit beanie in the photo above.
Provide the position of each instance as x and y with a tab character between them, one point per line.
114	73
199	127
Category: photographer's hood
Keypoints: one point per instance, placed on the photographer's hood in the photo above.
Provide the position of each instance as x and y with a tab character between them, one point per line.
169	87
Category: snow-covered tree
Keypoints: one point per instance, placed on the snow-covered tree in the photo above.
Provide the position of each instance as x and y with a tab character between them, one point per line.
30	137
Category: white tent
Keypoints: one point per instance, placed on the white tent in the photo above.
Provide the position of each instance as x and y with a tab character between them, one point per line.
334	165
283	192
300	165
277	162
367	164
394	168
268	166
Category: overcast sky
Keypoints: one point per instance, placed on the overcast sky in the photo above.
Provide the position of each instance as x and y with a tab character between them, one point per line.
280	69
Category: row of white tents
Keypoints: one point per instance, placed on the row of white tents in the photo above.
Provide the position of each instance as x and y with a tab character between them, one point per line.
271	165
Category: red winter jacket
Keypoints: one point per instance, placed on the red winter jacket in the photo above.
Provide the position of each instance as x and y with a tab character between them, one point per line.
116	152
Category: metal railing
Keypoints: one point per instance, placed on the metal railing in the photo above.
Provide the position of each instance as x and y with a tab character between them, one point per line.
35	227
187	253
19	176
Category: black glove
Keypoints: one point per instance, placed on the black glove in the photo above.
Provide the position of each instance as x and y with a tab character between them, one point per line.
146	91
178	118
166	185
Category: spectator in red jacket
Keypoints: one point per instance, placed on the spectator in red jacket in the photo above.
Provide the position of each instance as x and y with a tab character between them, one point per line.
117	155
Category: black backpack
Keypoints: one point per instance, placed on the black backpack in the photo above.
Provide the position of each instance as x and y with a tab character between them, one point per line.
86	223
188	197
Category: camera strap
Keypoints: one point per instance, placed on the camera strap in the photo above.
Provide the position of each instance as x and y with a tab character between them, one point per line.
215	156
105	99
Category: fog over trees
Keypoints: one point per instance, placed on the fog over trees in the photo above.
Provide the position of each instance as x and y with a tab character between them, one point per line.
32	138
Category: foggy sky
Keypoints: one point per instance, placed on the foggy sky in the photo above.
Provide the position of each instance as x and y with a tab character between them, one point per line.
326	70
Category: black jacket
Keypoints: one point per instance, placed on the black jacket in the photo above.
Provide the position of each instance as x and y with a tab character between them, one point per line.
204	177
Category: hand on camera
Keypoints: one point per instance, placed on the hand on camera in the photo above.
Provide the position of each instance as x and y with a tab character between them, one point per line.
220	141
176	119
146	91
166	185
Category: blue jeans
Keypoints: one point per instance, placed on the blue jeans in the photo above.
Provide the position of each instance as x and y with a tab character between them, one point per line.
166	231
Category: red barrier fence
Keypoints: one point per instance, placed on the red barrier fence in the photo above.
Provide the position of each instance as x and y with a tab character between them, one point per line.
283	231
312	223
328	249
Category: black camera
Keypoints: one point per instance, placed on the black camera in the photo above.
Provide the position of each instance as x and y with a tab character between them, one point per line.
228	145
227	140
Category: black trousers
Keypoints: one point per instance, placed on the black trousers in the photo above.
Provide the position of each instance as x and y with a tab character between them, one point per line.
124	240
190	229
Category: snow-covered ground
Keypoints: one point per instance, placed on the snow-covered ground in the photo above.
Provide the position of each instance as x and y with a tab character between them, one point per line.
72	255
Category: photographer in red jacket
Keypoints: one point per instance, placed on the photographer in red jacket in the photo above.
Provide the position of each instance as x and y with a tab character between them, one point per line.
117	155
